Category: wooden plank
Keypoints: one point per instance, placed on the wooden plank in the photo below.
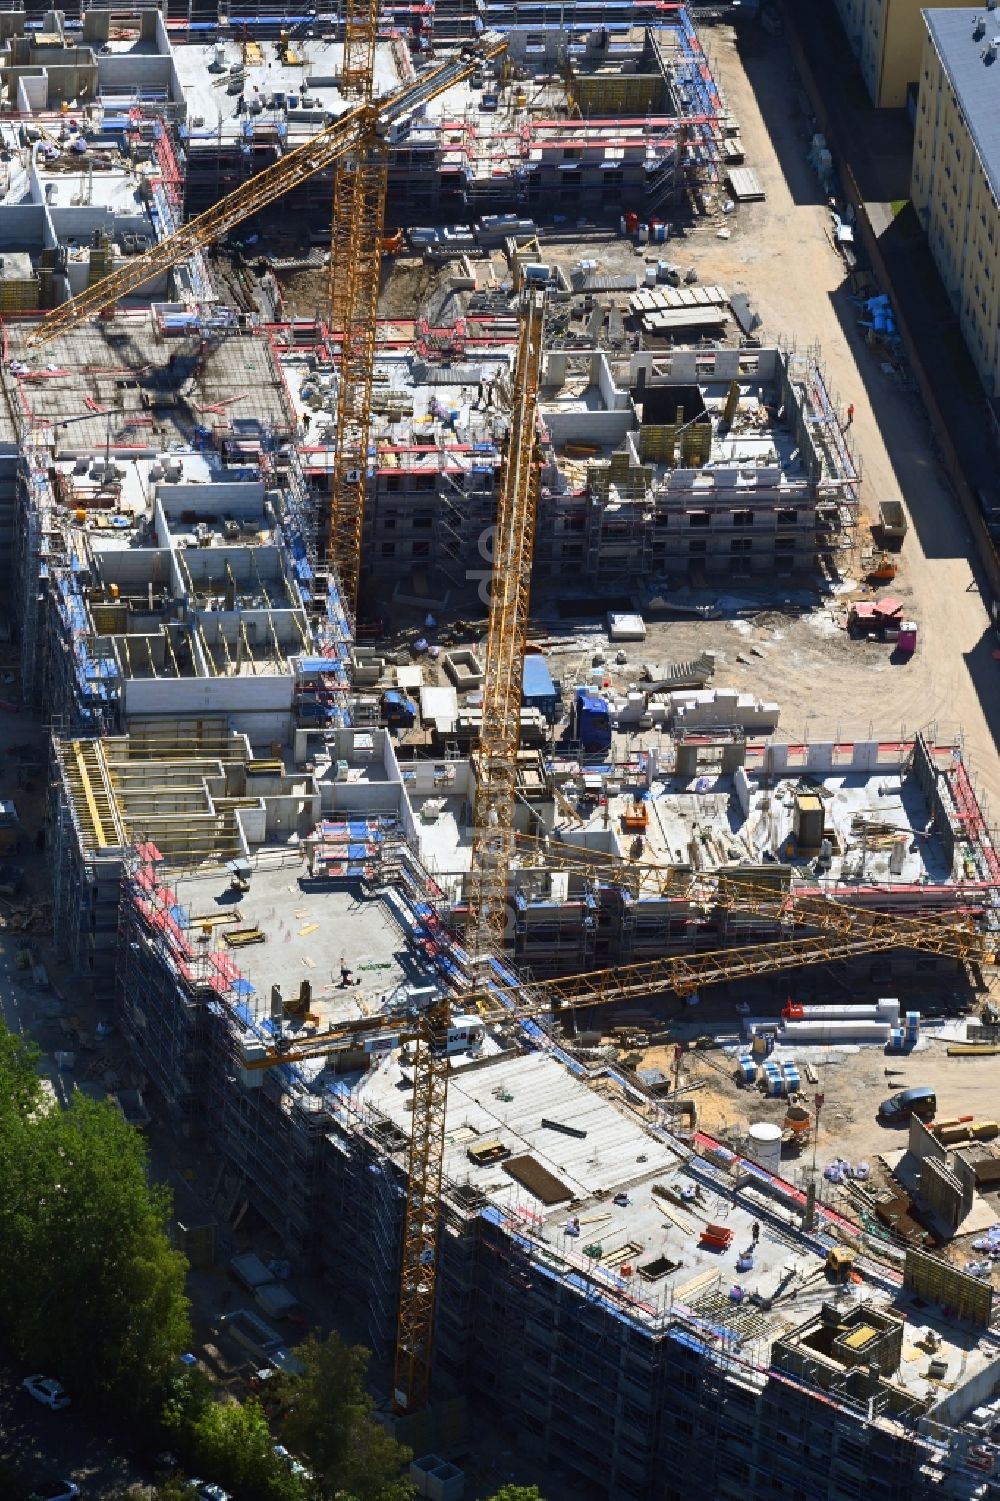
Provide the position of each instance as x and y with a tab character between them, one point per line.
744	184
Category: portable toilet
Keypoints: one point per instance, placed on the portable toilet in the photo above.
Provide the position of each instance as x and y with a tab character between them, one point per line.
747	1070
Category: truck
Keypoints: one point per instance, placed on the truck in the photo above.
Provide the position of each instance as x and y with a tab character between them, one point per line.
537	688
592	720
892	521
398	709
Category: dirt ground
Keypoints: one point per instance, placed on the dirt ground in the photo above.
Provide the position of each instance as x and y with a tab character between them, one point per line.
853	1082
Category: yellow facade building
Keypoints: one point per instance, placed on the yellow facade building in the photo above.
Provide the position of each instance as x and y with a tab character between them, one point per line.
887	37
955	182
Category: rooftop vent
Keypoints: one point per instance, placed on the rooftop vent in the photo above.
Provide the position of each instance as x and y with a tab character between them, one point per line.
990	51
979	29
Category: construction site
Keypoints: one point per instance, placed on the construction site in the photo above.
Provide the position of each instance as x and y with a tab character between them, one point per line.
488	804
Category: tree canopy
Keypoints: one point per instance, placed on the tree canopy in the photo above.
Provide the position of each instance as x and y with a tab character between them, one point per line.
331	1423
232	1444
90	1288
518	1493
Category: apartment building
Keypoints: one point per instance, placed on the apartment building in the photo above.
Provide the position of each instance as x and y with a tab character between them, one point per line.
887	38
956	171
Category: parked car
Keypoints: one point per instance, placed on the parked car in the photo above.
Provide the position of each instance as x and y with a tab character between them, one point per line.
293	1464
46	1390
921	1102
206	1491
56	1490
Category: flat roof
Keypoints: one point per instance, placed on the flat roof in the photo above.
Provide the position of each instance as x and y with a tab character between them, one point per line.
206	87
612	1201
306	931
159	390
974	78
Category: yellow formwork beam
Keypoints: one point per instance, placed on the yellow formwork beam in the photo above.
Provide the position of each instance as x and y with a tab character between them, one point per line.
86	788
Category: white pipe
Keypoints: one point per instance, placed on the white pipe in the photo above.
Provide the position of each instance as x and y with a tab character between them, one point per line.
834	1031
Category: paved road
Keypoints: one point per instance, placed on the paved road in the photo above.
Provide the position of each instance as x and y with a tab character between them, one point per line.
40	1445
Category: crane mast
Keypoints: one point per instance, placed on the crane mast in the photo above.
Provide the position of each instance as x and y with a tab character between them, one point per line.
359	192
513	549
493	845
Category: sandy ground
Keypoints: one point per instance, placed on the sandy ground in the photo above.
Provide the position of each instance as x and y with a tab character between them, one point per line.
854	1082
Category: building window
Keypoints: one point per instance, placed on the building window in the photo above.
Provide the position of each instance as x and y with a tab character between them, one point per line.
388	549
743	518
698	518
741	545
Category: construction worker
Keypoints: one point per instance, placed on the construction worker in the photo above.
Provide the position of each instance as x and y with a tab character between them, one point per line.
755	1232
850	413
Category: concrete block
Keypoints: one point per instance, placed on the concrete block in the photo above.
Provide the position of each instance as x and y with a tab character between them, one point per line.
465	670
446	1483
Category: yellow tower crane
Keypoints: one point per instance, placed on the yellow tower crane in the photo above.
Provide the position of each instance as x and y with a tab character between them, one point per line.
356	144
492	853
841	932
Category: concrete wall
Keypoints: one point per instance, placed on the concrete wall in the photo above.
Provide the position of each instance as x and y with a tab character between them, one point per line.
71	74
694	366
172	696
131	567
366	798
23	226
957	1405
239	499
31	92
942	1193
924	1144
824	757
608	428
128	71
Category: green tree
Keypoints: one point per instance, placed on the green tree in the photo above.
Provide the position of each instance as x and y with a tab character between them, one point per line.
331	1423
20	1086
89	1285
518	1493
232	1444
